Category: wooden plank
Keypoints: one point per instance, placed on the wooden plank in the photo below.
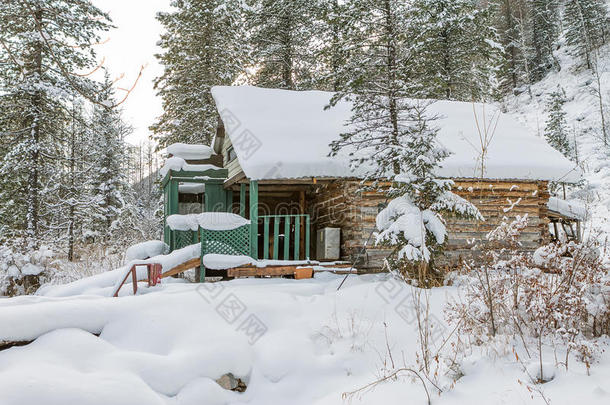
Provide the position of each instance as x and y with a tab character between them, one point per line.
191	264
254	219
271	271
286	238
307	236
297	237
276	238
303	273
237	179
266	238
302	210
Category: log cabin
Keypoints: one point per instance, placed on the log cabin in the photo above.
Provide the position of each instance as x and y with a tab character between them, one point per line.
269	162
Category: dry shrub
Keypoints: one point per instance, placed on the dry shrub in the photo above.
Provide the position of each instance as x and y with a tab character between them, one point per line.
559	294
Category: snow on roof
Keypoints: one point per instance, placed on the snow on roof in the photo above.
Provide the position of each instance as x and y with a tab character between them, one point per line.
286	134
178	164
191	188
190	151
570	209
214	221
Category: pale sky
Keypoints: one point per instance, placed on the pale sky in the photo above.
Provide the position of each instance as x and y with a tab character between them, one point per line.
131	45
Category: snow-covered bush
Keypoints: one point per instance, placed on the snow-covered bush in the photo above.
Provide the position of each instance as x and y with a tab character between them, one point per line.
560	295
22	273
419	234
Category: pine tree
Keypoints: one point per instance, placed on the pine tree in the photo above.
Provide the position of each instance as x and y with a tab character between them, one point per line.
109	154
331	30
203	46
506	21
391	134
556	131
282	33
459	48
586	25
74	202
43	43
528	30
545	27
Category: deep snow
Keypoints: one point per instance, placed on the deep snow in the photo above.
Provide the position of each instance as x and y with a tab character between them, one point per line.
292	341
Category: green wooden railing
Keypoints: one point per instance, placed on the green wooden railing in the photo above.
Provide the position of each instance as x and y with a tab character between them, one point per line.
179	239
290	229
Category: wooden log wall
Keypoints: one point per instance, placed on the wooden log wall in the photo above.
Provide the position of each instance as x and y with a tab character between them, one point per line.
340	204
499	201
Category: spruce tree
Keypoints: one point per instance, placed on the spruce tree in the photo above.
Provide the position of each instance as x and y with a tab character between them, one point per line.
586	25
556	131
505	20
393	136
43	45
109	159
331	29
203	46
74	204
460	49
545	27
282	36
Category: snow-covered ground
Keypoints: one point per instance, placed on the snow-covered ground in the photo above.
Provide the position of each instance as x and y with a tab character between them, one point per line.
291	341
584	120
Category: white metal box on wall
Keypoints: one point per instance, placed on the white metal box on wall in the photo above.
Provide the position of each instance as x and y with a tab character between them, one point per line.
328	244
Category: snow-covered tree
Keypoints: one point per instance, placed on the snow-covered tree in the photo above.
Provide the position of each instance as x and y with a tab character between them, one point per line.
203	46
545	29
506	20
586	25
413	222
332	29
74	203
282	33
392	135
556	130
43	45
109	158
458	47
528	31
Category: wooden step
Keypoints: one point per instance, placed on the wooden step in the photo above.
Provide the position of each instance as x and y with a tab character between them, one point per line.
191	264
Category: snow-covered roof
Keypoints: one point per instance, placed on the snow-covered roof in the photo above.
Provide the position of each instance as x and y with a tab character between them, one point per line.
286	134
190	151
191	188
178	164
569	209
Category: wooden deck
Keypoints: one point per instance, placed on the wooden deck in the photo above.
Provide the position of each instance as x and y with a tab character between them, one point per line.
298	271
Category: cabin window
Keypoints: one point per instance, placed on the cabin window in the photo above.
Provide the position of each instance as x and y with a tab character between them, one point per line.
231	155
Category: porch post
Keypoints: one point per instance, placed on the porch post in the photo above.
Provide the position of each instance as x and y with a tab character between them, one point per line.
172	203
254	219
242	200
173	196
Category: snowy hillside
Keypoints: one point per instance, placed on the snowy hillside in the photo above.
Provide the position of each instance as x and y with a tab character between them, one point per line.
290	342
582	91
